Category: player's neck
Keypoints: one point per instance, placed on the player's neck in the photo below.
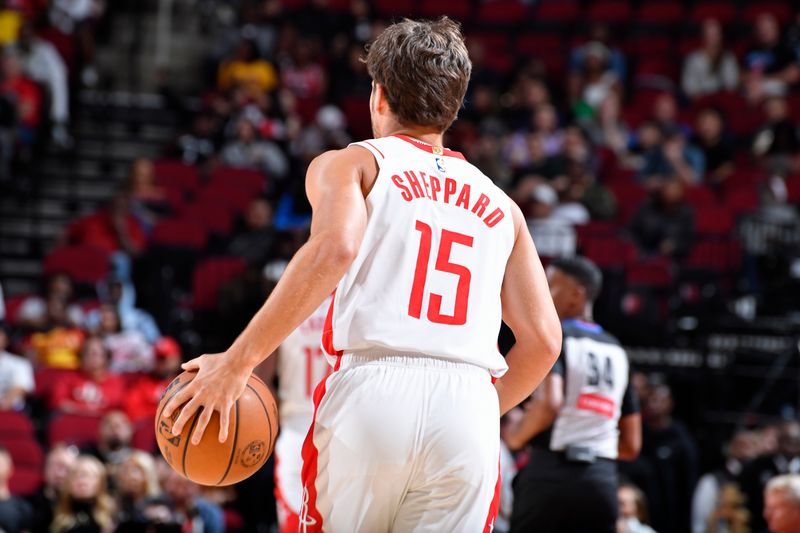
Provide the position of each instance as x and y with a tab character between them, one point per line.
428	136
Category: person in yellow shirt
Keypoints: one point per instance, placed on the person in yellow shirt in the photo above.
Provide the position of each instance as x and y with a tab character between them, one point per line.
247	70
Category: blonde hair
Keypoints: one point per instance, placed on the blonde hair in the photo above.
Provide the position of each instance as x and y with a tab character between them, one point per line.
146	462
788	484
102	510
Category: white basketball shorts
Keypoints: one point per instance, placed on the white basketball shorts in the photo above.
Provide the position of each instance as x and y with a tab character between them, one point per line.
402	443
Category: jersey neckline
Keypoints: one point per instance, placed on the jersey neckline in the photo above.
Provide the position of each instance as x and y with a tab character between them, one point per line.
425	147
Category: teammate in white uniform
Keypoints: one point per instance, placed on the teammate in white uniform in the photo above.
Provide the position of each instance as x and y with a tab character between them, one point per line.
426	256
300	365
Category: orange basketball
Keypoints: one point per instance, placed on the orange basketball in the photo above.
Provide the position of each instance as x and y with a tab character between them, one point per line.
251	437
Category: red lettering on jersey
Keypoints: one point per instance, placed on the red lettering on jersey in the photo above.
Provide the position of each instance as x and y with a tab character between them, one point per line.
414	183
598	404
463	197
494	217
426	185
406	194
436	186
480	206
449	189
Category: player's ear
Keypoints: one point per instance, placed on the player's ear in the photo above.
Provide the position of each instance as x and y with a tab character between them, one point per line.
379	102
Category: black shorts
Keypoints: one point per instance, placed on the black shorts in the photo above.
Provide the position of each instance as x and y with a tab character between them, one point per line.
552	494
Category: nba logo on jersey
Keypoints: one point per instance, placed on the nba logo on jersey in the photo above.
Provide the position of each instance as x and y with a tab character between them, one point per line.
440	165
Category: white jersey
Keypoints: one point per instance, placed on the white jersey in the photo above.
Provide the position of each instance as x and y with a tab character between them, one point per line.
301	365
428	275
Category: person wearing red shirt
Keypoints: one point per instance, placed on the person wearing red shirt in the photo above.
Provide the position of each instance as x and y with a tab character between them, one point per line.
26	92
92	390
141	400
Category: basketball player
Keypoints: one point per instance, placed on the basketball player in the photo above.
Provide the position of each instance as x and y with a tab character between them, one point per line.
583	417
426	255
299	364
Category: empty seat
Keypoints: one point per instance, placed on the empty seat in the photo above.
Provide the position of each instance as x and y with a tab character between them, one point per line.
781	10
356	111
179	233
660	13
15	425
172	173
609	11
743	199
652	272
395	8
213	217
700	196
24	451
724	12
456	9
73	429
713	221
609	252
25	481
502	12
231	197
84	264
248	179
560	12
209	276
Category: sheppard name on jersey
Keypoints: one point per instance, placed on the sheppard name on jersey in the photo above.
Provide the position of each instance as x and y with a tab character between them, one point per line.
431	187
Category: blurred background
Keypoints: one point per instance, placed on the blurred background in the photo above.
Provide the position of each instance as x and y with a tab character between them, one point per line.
152	158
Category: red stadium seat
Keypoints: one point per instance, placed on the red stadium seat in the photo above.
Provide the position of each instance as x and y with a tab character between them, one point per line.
595	229
84	264
502	12
629	197
177	174
213	217
610	252
179	233
647	45
143	437
248	179
12	305
742	199
25	481
539	43
395	8
209	276
713	254
793	189
45	379
24	451
356	110
653	272
700	196
561	12
713	221
73	429
15	425
781	10
230	197
660	13
609	11
724	12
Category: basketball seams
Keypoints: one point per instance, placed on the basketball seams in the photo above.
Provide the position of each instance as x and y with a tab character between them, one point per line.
188	441
233	448
266	413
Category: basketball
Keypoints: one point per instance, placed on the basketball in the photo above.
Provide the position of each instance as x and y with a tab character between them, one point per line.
251	437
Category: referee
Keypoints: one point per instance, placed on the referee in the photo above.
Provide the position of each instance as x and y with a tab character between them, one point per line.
583	417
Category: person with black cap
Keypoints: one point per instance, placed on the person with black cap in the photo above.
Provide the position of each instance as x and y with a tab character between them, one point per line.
583	417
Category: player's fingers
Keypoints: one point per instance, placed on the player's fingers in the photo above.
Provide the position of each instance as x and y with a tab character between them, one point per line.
186	413
177	400
224	420
194	364
202	422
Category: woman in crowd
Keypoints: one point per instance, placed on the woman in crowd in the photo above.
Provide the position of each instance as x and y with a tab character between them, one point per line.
85	505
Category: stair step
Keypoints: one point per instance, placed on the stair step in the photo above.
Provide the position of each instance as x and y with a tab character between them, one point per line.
21	267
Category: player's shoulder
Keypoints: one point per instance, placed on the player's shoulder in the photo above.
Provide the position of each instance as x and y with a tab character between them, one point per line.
347	155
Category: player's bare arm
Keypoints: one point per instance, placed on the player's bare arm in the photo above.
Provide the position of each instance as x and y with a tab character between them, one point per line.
529	312
630	437
539	414
335	185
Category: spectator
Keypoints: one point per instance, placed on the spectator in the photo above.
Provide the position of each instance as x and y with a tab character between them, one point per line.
147	199
730	514
85	505
552	232
26	93
93	390
249	150
785	460
43	63
600	33
32	313
545	123
16	376
129	349
142	397
59	343
712	68
136	481
198	145
192	509
16	515
533	162
608	129
672	454
119	291
595	81
666	114
113	229
708	493
247	71
60	461
716	147
326	133
674	159
255	243
114	440
782	504
632	510
664	223
777	141
770	65
304	77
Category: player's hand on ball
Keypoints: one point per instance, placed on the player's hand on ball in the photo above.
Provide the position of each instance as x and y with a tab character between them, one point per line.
216	387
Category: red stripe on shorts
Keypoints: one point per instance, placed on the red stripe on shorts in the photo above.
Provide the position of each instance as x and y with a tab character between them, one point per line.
495	505
327	331
310	519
